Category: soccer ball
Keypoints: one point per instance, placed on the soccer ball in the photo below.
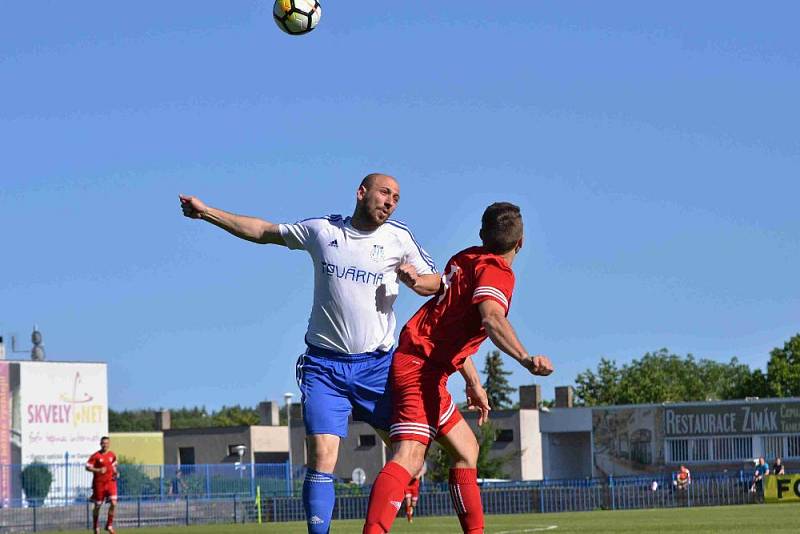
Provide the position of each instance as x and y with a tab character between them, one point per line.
296	17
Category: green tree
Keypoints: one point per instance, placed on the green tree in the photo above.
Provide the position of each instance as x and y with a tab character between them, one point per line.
131	421
235	416
36	481
496	385
195	417
132	479
489	467
600	388
783	369
438	462
664	377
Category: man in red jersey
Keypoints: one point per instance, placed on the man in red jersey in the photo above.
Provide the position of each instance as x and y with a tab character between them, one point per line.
103	464
438	340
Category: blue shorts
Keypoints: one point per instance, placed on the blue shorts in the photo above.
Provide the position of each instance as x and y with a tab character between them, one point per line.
336	385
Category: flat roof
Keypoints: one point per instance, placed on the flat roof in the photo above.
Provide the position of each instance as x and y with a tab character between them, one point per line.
771	400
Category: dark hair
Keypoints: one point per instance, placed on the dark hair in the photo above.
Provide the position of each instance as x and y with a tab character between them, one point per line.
501	227
105	437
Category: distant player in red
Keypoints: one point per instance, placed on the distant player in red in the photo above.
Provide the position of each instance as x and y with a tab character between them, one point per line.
439	339
103	464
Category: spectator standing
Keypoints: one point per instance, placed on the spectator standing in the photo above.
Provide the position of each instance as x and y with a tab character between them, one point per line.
777	467
762	470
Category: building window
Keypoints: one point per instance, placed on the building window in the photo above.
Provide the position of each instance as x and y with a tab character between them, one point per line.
772	446
271	457
233	450
700	449
186	455
733	449
678	450
793	446
504	435
366	440
640	446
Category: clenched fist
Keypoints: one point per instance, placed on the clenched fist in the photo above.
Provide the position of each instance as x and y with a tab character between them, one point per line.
538	365
192	207
407	274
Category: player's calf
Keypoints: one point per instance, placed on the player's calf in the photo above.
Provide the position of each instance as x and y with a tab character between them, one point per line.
461	445
388	491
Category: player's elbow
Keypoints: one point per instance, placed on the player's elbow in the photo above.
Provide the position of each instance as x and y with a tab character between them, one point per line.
425	291
491	323
269	234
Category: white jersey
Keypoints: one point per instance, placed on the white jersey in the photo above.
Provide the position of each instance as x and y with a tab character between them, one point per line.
355	283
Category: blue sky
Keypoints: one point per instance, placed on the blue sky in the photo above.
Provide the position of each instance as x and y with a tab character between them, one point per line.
653	148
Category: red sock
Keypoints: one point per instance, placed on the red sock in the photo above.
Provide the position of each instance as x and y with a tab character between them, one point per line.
466	499
110	521
386	498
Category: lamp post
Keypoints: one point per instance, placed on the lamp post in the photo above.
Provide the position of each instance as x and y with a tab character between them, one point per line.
288	398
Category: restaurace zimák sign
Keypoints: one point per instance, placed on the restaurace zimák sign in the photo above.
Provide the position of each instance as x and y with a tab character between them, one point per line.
732	419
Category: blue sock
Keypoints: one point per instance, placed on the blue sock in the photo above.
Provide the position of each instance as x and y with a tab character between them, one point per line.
318	500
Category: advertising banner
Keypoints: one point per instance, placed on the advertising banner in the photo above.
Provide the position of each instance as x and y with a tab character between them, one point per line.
64	410
732	419
5	433
780	488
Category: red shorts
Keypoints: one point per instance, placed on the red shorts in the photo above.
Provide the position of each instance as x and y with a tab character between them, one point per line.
104	491
422	406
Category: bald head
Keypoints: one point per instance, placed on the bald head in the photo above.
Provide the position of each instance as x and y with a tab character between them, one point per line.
376	199
377	178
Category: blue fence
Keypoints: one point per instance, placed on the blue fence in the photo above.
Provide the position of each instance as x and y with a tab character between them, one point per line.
64	483
203	494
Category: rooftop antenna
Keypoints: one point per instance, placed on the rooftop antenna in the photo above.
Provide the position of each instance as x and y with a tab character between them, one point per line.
37	351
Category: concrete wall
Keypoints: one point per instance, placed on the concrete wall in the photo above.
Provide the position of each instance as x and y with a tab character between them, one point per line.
567	455
566	420
210	444
140	447
352	455
269	438
522	454
531	445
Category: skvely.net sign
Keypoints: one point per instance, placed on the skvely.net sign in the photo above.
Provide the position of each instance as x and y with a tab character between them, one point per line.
732	419
64	410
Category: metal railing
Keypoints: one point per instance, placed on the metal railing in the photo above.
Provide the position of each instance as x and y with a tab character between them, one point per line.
63	483
226	494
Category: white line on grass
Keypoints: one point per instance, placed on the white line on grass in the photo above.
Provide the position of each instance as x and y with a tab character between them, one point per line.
534	529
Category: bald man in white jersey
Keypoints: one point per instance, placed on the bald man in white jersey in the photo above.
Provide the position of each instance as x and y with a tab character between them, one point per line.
358	262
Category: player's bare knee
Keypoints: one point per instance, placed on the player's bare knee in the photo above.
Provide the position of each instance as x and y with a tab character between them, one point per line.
411	455
323	452
465	456
323	461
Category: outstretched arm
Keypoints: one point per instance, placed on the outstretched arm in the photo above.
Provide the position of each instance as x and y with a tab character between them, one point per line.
248	228
503	336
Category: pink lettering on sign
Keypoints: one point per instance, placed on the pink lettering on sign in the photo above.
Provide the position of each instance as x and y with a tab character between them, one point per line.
49	413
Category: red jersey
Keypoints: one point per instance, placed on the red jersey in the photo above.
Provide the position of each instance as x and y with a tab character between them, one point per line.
448	328
103	459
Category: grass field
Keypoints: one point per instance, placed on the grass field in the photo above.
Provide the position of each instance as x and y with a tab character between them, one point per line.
777	518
